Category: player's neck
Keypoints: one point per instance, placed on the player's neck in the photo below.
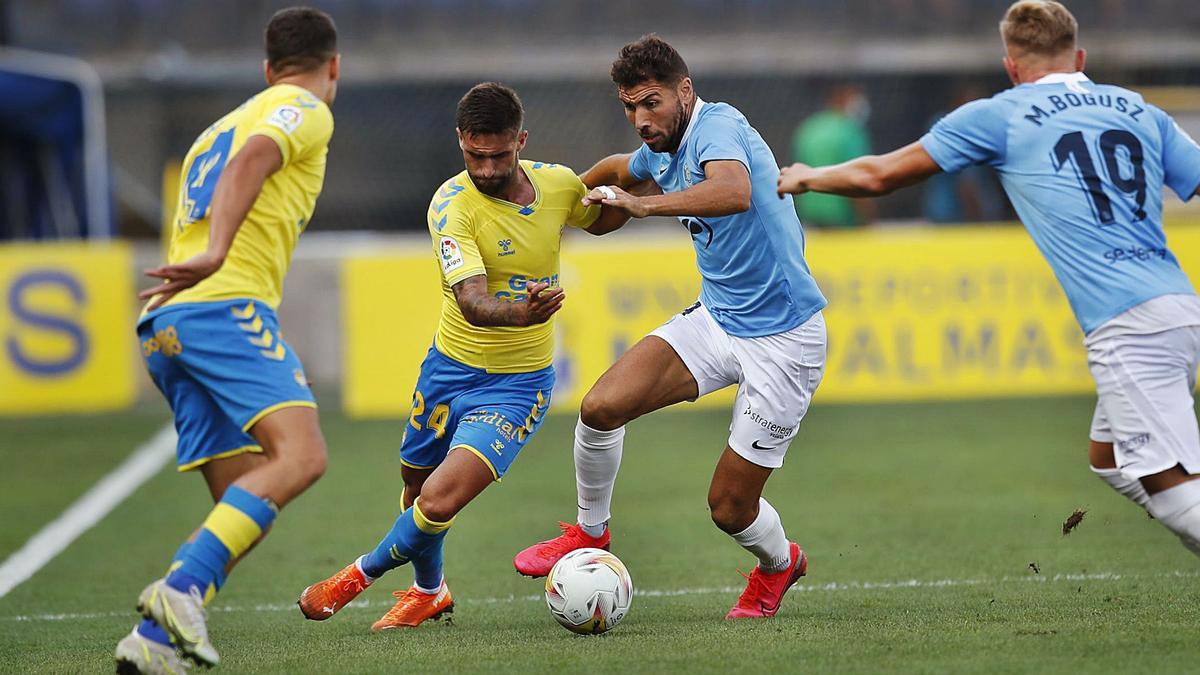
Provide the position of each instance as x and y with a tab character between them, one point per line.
1035	75
316	84
520	190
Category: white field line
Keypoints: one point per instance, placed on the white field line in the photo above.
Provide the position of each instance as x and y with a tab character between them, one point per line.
830	587
97	502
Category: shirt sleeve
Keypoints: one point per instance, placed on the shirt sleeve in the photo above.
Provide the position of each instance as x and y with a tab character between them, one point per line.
1180	156
639	163
719	137
300	124
454	243
580	216
975	133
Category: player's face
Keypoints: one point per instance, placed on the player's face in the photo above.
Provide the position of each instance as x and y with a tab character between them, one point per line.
491	159
659	112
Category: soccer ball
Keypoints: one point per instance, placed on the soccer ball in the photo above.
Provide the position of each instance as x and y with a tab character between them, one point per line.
589	591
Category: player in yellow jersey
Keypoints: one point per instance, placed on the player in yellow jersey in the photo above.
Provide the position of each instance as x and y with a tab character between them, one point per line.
486	381
245	416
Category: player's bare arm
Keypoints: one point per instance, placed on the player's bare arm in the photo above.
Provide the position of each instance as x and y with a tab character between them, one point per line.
482	309
724	191
236	192
867	176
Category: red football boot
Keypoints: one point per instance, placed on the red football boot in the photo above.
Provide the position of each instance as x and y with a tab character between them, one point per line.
539	559
764	591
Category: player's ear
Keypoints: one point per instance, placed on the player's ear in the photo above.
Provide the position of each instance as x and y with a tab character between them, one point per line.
685	91
521	138
458	134
267	72
1080	59
335	67
1010	67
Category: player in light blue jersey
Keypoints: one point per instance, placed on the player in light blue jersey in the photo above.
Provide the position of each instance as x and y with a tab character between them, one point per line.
757	324
1085	165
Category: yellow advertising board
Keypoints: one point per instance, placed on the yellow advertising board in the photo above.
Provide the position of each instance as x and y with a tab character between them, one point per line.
66	324
920	313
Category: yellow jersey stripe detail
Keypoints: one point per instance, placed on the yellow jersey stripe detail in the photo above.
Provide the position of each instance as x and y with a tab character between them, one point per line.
228	453
265	340
416	466
245	313
278	406
426	525
480	455
236	530
254	326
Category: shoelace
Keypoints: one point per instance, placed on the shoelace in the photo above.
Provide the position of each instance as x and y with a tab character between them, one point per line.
756	587
350	583
407	599
197	615
552	545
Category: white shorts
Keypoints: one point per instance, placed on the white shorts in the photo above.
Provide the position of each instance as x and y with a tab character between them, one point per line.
776	377
1145	408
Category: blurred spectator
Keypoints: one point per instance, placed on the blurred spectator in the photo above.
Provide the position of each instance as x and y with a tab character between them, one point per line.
971	195
834	135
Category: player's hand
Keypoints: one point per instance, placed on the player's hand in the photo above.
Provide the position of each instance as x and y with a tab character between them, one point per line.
543	301
611	195
179	277
794	180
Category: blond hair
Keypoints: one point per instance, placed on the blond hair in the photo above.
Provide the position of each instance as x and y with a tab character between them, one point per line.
1041	27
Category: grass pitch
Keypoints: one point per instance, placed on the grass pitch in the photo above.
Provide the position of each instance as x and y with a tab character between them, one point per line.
923	524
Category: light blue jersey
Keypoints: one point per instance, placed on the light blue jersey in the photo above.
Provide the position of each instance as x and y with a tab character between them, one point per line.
754	280
1084	165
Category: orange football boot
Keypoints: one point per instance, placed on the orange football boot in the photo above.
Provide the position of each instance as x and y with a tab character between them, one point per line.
413	607
764	591
325	598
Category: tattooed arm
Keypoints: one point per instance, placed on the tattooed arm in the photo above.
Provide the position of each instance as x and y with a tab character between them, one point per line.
479	308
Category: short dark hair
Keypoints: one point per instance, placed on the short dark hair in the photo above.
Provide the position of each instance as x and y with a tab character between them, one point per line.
649	58
300	38
489	108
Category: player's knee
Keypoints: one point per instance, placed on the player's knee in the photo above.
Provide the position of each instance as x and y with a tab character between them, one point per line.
437	507
312	463
730	514
601	411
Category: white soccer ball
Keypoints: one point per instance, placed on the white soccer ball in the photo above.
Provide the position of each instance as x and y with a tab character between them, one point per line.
589	591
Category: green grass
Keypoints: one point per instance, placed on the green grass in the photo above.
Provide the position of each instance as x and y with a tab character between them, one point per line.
965	493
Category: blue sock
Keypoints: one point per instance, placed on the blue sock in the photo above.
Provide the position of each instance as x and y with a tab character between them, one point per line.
234	524
410	538
427	567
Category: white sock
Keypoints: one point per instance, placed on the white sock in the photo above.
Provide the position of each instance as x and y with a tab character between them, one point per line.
366	577
766	540
597	458
1130	487
1178	509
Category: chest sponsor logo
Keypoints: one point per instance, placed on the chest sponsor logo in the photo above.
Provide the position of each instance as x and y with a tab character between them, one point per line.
452	257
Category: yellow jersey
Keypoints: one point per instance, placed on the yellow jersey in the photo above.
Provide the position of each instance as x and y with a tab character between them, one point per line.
511	244
301	125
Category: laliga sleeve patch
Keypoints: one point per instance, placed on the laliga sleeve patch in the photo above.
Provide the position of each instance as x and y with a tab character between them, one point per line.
286	118
452	257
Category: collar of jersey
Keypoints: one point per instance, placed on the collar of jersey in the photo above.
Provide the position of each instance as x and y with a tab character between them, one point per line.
1068	79
537	192
692	122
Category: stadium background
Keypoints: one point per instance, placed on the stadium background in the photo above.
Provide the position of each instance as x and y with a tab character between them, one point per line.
922	315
